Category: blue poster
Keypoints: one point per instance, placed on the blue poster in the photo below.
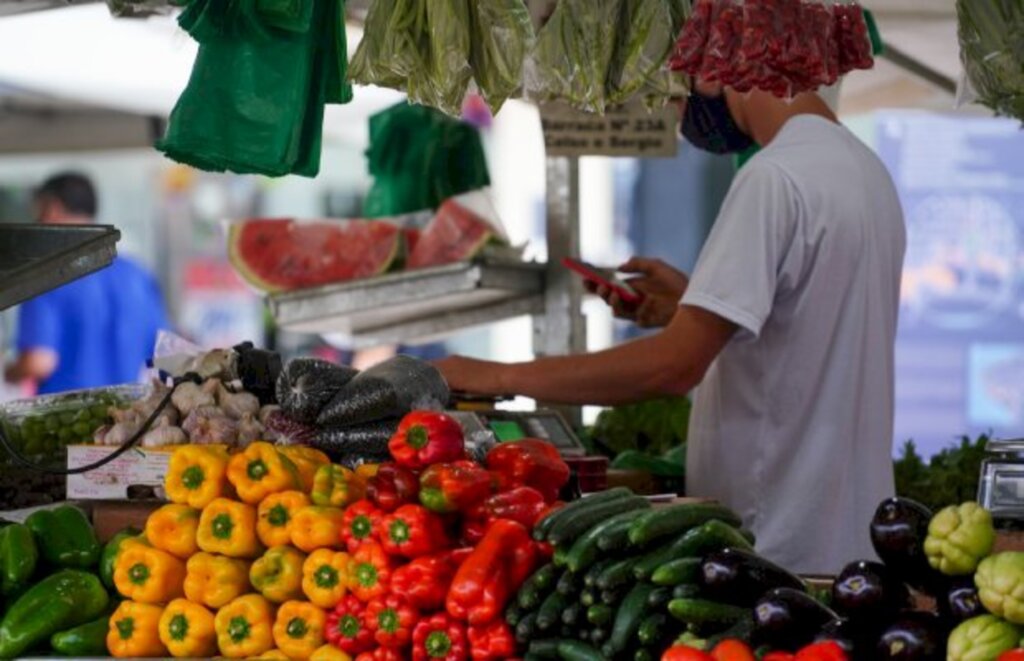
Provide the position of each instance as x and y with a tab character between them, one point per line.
960	345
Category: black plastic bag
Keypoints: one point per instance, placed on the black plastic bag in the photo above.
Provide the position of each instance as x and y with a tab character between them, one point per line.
361	444
307	384
388	390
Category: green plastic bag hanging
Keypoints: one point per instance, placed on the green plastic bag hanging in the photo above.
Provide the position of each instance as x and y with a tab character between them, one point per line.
502	37
420	157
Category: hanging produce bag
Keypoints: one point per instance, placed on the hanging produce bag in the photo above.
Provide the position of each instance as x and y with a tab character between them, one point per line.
255	100
992	53
785	47
502	37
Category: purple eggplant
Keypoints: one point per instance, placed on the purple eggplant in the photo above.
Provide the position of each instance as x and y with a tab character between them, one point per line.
913	636
898	531
857	642
788	619
741	578
959	601
869	594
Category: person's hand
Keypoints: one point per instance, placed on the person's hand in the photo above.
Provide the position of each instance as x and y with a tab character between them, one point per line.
470	375
661	285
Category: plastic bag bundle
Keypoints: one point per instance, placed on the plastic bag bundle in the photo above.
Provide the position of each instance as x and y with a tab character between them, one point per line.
388	390
360	444
782	46
305	385
432	49
992	53
593	54
255	100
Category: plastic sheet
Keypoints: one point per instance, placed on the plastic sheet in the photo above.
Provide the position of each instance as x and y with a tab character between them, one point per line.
388	390
992	53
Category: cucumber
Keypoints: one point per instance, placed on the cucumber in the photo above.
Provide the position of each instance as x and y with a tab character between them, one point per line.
514	613
615	536
537	586
703	615
576	650
591	575
566	531
558	557
633	609
659	597
544	526
686	591
569	583
600	614
612	597
644	654
589	597
526	630
677	572
573	614
749	536
711	536
674	519
653	629
598	635
616	574
550	612
742	630
546	648
585	552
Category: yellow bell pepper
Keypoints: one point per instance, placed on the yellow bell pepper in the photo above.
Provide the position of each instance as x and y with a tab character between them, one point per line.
245	627
299	629
134	631
336	486
272	655
277	575
229	528
273	515
196	475
367	471
313	528
173	528
148	575
186	630
307	460
214	580
324	576
261	470
329	653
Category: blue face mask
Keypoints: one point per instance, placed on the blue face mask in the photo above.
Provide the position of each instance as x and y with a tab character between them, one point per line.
708	125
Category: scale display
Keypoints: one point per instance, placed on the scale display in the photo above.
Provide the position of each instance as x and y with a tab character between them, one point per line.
515	425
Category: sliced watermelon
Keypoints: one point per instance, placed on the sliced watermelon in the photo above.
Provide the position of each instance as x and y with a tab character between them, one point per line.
455	234
275	254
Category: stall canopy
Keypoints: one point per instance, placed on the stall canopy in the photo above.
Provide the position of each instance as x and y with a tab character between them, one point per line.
91	81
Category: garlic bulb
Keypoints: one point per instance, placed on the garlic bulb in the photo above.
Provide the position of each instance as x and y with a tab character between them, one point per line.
121	433
164	434
128	415
209	425
237	404
99	437
189	397
267	411
249	429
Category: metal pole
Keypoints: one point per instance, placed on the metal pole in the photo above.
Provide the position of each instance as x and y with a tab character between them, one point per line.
562	329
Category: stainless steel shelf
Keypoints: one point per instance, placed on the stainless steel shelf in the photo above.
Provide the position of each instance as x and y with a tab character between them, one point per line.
37	258
415	305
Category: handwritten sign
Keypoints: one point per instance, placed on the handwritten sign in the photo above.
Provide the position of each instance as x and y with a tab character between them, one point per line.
628	131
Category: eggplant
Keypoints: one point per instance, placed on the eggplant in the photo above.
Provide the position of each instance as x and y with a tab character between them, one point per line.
959	601
738	577
869	593
898	531
913	636
855	640
788	619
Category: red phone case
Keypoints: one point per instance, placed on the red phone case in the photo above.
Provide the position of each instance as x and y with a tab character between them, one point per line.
594	275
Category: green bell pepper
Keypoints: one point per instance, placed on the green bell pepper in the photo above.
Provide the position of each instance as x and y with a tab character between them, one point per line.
62	600
18	557
110	552
981	638
65	537
959	537
89	639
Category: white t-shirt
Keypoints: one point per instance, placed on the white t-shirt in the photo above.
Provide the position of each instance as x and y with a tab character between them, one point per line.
792	425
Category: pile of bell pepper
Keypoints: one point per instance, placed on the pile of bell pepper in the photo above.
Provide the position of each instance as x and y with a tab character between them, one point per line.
274	552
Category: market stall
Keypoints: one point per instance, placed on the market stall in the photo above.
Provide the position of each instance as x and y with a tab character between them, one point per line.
248	507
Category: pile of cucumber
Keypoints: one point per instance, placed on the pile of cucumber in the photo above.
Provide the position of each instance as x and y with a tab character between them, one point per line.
624	579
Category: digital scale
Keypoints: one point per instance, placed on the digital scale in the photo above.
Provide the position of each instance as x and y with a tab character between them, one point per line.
1001	484
515	425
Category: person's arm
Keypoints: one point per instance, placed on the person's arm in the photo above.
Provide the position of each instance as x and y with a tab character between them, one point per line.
669	363
37	365
39	329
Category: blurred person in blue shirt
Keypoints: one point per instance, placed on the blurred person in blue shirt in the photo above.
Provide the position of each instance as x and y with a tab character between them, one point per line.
96	331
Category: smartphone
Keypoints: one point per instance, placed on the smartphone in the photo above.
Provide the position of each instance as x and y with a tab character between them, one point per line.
606	277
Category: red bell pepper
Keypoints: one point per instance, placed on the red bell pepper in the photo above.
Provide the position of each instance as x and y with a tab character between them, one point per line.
360	524
529	463
425	438
474	525
493	641
826	650
439	637
483	583
392	487
684	653
455	487
1012	655
778	656
522	504
345	628
732	650
391	619
424	582
381	654
412	531
370	573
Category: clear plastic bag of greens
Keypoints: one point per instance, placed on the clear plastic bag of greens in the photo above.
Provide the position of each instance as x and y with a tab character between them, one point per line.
643	46
502	39
448	72
370	64
992	52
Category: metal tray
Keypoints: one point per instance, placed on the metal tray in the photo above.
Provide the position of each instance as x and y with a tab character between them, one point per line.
415	305
37	258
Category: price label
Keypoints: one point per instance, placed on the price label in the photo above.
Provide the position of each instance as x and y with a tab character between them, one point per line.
627	131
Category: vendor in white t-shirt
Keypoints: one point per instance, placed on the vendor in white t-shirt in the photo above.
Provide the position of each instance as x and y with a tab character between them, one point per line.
787	326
